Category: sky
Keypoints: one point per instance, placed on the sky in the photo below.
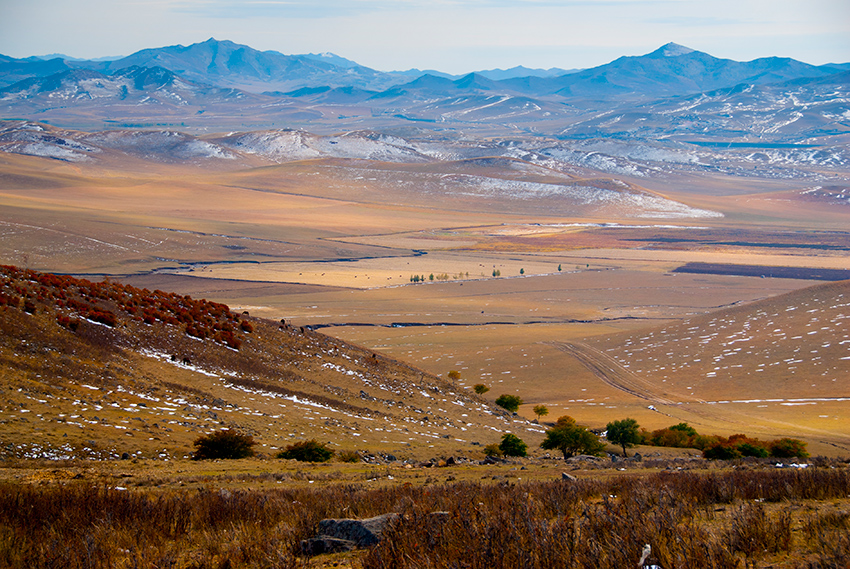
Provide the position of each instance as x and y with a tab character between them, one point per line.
454	36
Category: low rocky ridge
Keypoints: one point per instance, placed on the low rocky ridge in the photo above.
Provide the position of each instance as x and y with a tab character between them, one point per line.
104	370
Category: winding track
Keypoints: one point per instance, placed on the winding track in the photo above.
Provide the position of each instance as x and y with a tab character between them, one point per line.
611	372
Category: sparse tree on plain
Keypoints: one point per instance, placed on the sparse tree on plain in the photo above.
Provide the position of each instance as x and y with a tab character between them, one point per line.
540	411
571	439
454	375
624	433
480	388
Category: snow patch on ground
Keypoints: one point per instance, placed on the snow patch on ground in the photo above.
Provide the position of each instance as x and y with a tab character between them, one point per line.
288	145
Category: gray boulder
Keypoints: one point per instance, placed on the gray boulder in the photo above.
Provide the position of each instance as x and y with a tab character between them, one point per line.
362	533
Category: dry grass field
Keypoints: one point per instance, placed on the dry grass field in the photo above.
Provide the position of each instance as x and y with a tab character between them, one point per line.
539	291
333	244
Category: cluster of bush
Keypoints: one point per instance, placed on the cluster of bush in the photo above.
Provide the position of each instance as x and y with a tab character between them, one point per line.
98	301
683	435
229	444
573	439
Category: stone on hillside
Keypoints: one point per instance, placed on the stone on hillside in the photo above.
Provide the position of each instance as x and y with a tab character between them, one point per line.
583	457
570	477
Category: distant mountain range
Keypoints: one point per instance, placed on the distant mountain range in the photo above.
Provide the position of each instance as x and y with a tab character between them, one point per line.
671	91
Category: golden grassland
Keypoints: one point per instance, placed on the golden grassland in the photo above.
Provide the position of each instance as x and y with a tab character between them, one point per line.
312	243
97	424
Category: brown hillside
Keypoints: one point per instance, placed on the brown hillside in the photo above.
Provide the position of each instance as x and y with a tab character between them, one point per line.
781	363
102	369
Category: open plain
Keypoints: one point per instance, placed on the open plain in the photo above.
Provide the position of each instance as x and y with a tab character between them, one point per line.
506	271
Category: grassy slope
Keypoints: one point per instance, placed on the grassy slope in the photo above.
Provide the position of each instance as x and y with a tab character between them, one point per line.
772	365
104	390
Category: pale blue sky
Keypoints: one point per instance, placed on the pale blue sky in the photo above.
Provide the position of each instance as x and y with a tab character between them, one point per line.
455	36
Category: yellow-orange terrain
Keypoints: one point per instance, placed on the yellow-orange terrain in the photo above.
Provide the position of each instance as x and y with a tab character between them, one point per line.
582	308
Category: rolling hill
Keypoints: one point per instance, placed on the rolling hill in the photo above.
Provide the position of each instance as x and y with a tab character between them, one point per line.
96	370
751	364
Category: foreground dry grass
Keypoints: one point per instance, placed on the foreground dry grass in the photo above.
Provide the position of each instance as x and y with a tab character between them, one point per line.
742	517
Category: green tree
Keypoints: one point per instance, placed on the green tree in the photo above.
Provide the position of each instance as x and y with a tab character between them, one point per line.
559	268
571	439
512	445
431	277
307	451
223	444
509	402
522	271
480	388
624	433
540	410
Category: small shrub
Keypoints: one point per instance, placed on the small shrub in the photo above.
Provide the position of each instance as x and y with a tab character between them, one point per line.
246	326
480	388
348	456
493	450
307	451
103	316
224	444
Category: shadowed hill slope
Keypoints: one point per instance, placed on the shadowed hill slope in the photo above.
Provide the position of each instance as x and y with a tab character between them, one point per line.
103	369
